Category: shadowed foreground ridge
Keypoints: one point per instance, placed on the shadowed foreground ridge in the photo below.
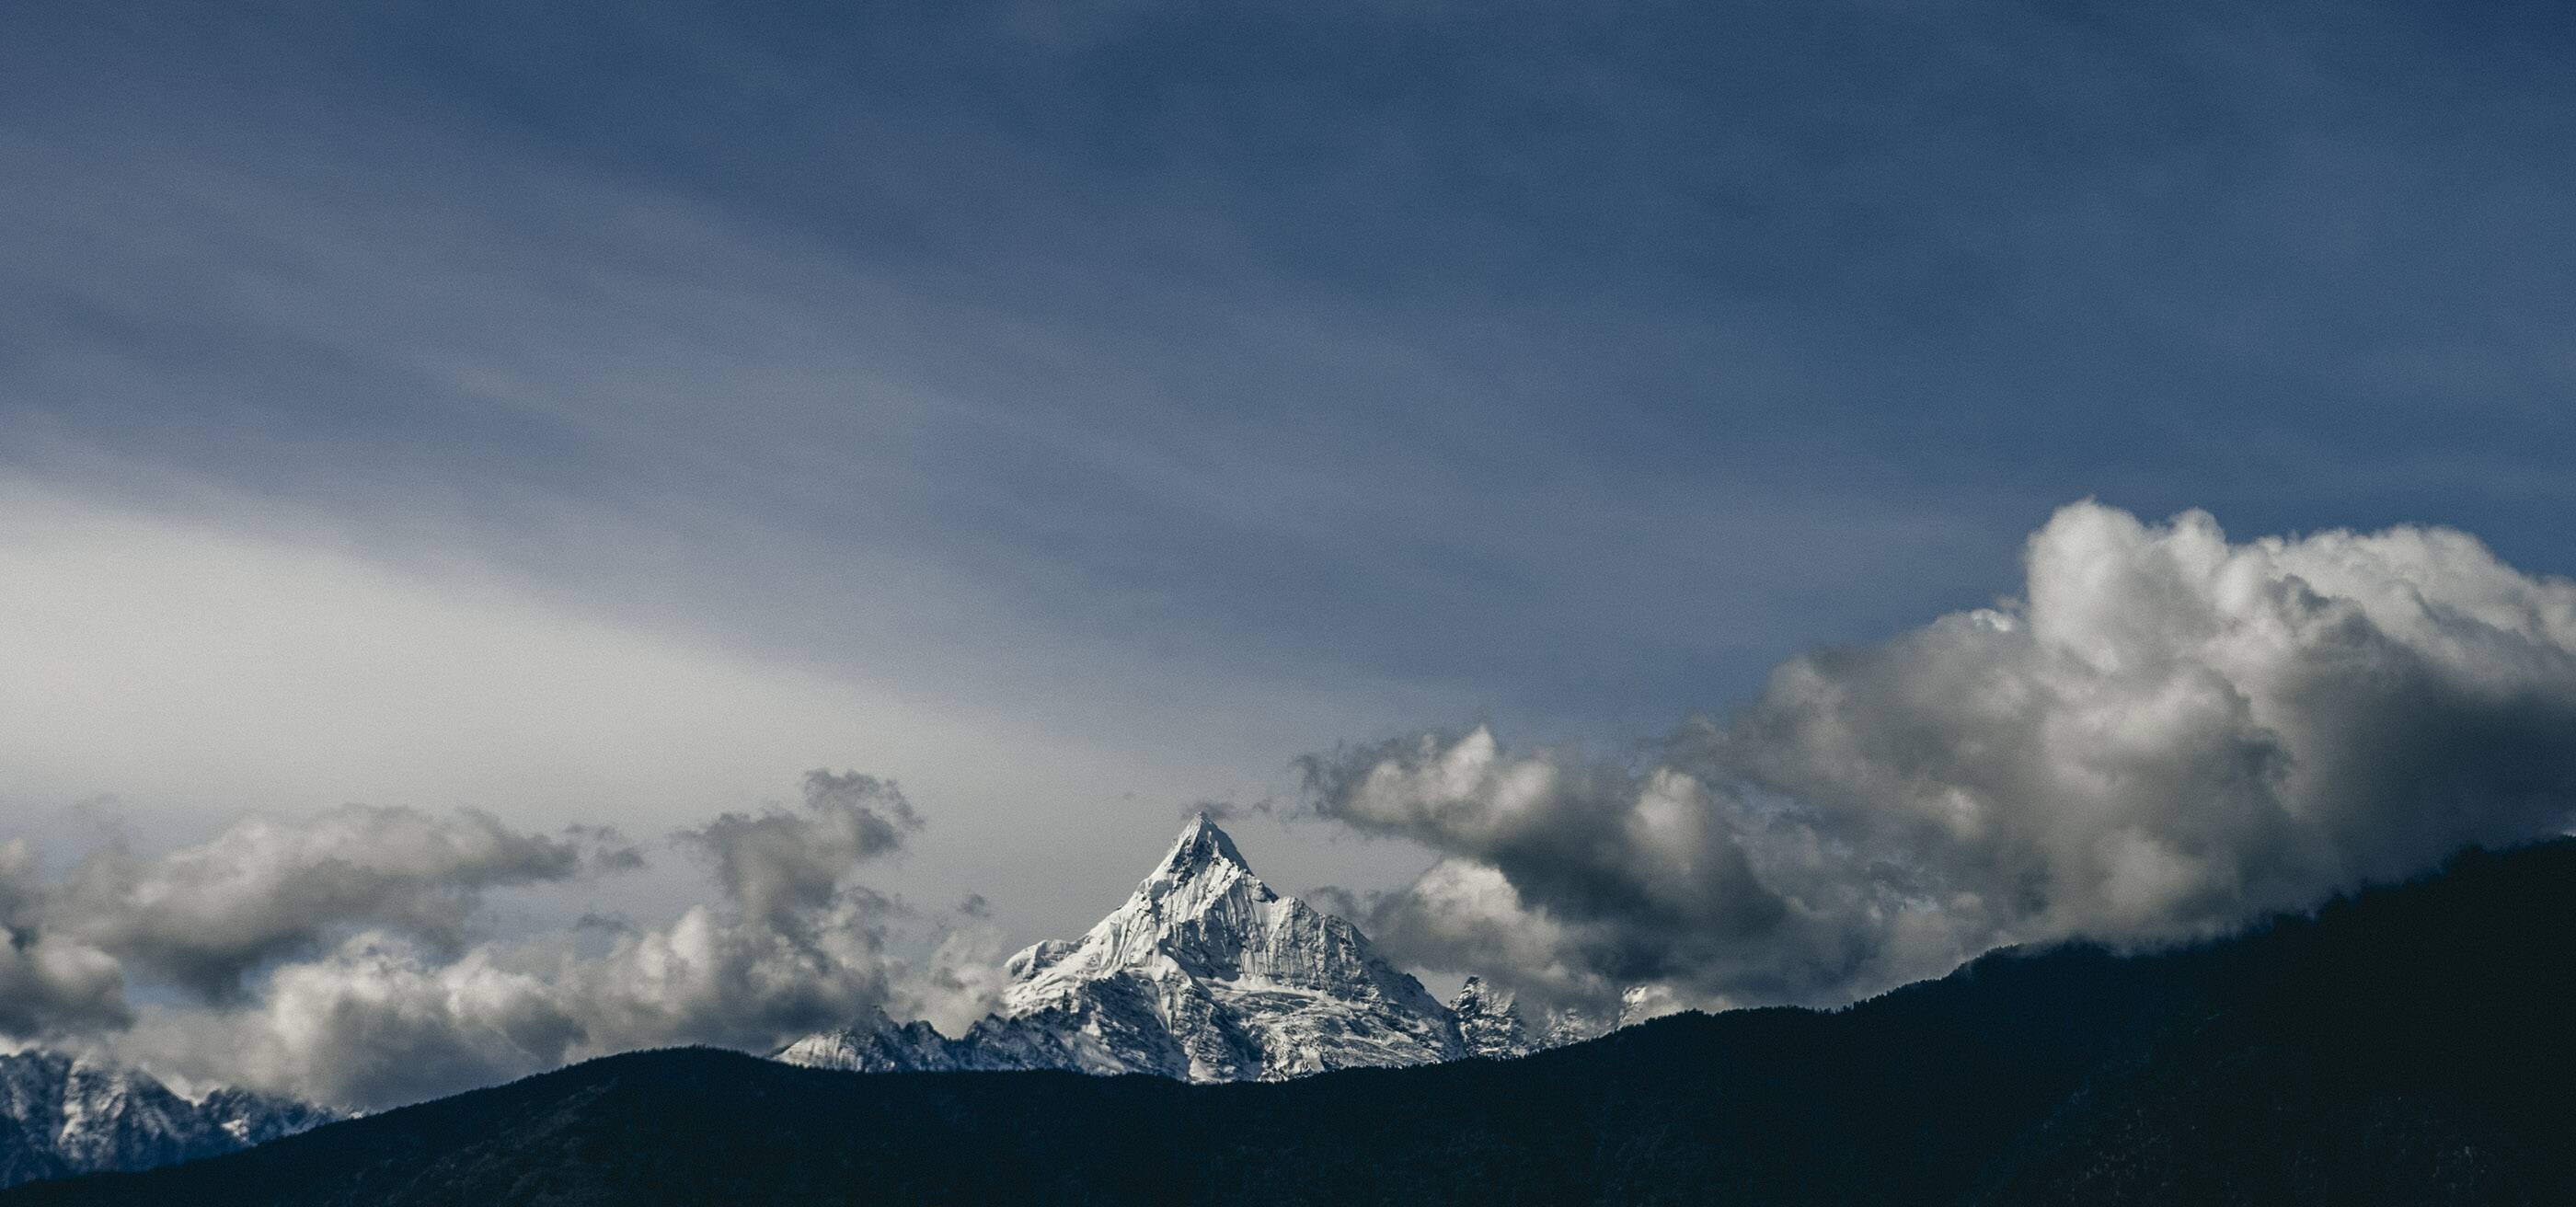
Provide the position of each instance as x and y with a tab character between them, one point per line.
2406	1046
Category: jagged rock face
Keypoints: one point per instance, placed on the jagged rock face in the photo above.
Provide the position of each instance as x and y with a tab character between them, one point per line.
1494	1025
1489	1021
1571	1025
60	1115
874	1044
251	1118
1205	974
877	1044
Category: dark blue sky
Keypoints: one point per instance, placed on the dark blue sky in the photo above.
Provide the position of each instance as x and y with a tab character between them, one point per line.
1205	384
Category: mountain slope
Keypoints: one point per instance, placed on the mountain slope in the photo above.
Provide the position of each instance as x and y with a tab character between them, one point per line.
1204	974
62	1115
2407	1047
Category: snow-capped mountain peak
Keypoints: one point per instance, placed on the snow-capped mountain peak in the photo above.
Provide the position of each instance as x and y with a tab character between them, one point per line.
1204	973
1201	905
1202	849
1203	914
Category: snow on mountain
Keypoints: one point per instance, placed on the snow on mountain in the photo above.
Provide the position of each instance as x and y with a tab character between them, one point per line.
63	1115
253	1118
1490	1022
1572	1025
877	1044
1494	1025
1205	974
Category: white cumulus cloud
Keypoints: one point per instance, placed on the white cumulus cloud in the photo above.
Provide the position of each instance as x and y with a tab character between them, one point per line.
2168	734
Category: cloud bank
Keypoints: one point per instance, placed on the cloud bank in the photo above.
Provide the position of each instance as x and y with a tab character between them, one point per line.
2167	735
202	919
337	957
207	916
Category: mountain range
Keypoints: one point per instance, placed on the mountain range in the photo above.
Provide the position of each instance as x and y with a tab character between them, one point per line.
2405	1045
1204	974
63	1115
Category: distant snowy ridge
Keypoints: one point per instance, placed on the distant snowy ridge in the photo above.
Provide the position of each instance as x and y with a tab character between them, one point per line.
1205	974
62	1115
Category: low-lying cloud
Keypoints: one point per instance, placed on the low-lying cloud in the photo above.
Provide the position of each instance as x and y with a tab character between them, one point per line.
203	919
206	916
2168	735
339	957
784	867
